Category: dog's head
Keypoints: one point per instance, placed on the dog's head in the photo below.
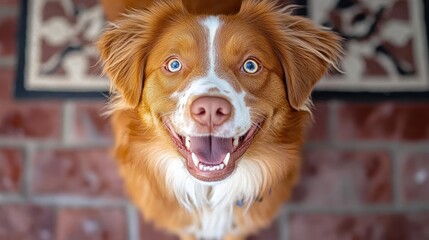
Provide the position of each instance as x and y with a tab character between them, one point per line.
218	88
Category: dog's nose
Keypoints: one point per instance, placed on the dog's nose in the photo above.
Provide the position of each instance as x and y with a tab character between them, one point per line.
210	111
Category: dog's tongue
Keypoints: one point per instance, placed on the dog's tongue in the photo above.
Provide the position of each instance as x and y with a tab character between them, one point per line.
211	150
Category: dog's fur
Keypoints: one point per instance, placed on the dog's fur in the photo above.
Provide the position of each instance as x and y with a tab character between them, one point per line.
148	103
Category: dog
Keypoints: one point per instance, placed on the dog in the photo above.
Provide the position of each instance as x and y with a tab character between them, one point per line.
209	108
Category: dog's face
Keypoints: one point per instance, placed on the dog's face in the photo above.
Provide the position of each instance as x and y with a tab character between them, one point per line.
216	85
217	88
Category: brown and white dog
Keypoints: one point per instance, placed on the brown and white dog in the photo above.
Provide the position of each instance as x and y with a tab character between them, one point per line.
209	110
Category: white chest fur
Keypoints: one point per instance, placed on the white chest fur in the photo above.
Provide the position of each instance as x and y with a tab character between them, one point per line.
214	223
212	203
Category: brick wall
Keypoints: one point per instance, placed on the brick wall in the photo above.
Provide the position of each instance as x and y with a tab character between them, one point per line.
365	173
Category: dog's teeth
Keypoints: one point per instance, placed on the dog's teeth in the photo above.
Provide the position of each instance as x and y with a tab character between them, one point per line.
195	159
221	166
226	160
188	142
235	143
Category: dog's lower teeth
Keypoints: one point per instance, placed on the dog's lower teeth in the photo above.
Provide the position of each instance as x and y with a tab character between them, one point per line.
204	168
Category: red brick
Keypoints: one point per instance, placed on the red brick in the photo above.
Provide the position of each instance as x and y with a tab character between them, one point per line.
8	30
22	222
89	125
383	121
38	120
85	172
331	177
411	226
319	129
271	233
91	224
10	170
149	232
415	177
6	81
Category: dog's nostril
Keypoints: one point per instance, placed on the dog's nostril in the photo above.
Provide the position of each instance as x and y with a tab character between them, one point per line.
221	112
201	111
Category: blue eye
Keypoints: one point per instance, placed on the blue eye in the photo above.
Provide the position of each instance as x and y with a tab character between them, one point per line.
250	66
174	65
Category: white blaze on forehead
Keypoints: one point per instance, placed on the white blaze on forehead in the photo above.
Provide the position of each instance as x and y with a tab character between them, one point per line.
212	24
203	85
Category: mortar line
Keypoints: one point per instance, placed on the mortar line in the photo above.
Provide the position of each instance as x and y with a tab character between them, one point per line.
396	176
11	199
29	152
73	201
132	222
8	62
371	145
57	211
6	10
361	209
332	121
67	122
53	143
283	225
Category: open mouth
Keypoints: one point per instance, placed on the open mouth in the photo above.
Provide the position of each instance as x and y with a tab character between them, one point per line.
210	158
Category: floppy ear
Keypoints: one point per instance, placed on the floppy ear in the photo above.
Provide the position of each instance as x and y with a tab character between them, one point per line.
306	54
121	64
125	45
305	50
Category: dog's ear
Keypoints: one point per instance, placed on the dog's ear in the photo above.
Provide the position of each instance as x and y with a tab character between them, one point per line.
306	54
305	50
123	62
125	45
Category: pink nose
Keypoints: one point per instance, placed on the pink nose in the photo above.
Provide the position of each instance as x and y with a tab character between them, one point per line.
210	111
